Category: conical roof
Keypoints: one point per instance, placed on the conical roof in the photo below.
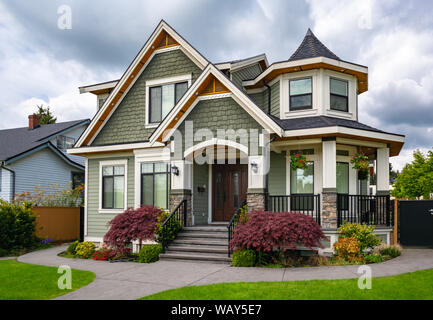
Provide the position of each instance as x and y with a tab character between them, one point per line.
311	47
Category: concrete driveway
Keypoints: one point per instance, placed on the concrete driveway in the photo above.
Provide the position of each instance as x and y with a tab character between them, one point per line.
129	280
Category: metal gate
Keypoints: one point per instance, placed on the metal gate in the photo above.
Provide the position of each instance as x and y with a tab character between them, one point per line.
416	222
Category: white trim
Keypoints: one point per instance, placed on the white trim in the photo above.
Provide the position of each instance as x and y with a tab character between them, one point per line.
125	203
162	82
299	63
209	195
99	86
238	95
86	190
190	151
354	142
117	147
94	239
163	26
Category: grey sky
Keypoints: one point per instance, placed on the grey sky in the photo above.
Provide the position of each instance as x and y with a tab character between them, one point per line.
40	63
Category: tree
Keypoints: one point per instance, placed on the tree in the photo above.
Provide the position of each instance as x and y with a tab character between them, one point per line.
45	115
392	176
416	179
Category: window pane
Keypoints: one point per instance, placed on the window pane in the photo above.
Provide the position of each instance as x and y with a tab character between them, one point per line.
155	104
167	99
339	87
119	199
300	102
160	167
160	191
107	171
147	168
181	88
342	178
302	86
119	170
302	180
147	190
338	103
107	193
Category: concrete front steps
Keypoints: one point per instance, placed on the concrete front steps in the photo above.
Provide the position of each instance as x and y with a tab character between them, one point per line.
199	244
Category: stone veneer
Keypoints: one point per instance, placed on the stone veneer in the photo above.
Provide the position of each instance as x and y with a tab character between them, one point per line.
329	210
176	198
256	201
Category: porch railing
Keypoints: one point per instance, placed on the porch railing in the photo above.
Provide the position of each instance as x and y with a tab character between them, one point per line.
232	224
175	221
308	204
372	210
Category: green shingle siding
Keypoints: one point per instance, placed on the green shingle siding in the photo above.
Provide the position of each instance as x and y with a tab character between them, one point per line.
97	222
223	113
200	199
277	174
127	124
261	99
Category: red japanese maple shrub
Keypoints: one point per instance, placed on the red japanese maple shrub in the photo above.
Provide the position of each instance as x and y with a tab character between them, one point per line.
265	231
139	224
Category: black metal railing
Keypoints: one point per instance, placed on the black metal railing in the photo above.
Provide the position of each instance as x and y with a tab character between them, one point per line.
372	210
308	204
232	224
174	223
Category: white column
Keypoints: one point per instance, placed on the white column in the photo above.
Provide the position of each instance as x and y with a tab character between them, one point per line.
257	170
182	181
329	166
382	169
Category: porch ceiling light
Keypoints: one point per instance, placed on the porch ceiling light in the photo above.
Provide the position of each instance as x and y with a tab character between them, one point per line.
254	167
175	170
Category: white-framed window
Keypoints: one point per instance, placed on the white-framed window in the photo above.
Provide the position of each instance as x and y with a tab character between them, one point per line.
339	93
155	184
64	142
113	186
301	94
162	95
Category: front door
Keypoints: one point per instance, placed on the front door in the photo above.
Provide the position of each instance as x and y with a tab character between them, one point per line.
230	184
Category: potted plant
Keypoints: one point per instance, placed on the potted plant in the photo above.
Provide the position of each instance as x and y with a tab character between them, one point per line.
360	163
299	161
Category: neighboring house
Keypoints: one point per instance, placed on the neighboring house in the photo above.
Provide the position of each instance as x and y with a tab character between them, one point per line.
135	151
36	156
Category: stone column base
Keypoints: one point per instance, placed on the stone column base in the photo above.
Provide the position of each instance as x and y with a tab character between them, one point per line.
256	201
176	197
329	210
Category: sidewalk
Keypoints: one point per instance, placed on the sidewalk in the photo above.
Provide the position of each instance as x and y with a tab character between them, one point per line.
131	280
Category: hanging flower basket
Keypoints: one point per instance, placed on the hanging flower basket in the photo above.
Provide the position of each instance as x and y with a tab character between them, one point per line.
362	174
360	163
299	161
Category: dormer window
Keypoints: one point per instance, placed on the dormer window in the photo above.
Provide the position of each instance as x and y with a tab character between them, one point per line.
339	92
301	94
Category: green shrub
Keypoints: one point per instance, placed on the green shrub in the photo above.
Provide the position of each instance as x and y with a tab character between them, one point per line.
149	253
244	258
361	232
85	249
72	247
171	229
374	258
392	251
17	226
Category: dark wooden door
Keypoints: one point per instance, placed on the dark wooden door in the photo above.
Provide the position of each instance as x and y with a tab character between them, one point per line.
230	184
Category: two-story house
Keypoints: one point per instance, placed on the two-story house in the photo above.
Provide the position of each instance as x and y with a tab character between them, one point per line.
177	127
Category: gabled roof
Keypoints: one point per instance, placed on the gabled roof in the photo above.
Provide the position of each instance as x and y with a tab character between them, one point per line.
163	37
242	63
19	141
176	116
311	47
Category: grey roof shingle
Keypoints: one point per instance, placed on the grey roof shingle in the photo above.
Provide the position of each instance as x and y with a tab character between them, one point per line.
321	122
311	47
14	142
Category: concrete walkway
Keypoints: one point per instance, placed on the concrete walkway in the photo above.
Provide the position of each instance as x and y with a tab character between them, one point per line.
129	280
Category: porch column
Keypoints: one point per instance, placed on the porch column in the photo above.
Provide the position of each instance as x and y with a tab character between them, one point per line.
257	193
382	171
329	183
181	185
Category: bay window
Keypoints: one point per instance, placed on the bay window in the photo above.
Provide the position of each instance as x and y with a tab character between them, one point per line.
339	93
301	94
155	184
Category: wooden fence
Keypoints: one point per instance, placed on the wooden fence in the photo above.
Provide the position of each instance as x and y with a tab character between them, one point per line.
58	223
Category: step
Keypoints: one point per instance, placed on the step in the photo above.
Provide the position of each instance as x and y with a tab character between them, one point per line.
195	257
204	242
197	248
217	235
205	229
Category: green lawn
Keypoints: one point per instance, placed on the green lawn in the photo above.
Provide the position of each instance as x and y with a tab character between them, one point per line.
416	285
21	281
